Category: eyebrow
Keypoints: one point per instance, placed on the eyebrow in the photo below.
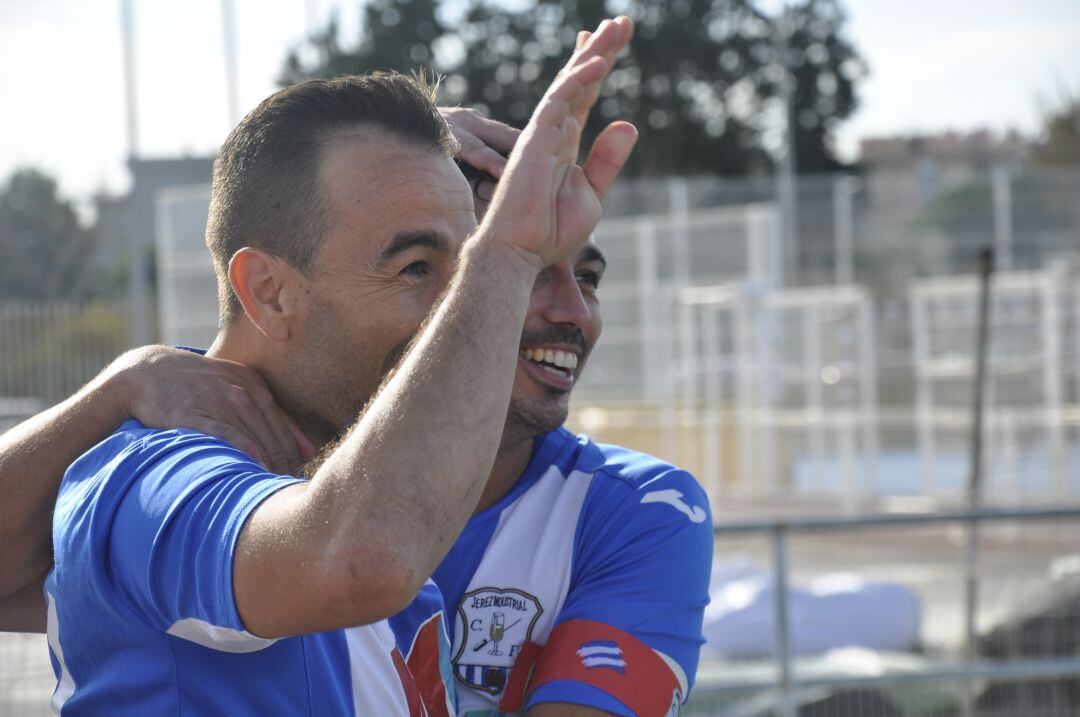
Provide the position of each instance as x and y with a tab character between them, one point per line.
407	240
592	253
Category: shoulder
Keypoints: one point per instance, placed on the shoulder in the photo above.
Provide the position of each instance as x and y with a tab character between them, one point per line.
629	480
135	450
148	472
642	510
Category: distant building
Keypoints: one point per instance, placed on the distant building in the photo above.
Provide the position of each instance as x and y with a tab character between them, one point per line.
979	149
130	226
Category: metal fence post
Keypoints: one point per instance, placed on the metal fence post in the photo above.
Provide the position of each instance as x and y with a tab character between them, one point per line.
844	229
1003	217
780	619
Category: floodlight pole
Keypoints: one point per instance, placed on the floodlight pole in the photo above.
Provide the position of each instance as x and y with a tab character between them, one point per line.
232	91
786	171
127	30
138	287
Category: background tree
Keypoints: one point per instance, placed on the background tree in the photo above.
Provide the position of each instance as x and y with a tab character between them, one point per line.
701	82
394	35
825	67
43	247
1059	142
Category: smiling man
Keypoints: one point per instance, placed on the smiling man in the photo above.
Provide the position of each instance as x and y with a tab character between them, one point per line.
583	576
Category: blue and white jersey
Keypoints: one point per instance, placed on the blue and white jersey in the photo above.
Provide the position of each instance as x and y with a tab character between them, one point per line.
142	618
586	583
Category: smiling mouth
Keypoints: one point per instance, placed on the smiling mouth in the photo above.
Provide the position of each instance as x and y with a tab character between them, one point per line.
554	361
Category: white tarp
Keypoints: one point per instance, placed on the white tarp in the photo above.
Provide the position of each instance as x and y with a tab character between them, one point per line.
835	611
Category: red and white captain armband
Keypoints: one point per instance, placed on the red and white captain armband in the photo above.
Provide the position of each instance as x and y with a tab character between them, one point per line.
602	656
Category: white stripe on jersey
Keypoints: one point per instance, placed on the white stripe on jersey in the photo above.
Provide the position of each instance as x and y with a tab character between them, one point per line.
222	639
65	687
531	550
680	673
376	685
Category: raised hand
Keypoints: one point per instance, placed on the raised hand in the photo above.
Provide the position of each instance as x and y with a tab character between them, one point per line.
546	206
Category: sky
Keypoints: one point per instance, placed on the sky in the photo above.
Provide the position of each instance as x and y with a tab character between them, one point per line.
934	65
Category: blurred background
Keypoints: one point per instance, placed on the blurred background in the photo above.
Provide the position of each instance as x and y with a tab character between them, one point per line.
791	306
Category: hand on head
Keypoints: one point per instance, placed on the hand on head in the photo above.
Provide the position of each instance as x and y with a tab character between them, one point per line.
483	144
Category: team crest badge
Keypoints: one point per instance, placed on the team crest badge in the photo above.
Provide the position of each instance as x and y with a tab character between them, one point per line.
491	626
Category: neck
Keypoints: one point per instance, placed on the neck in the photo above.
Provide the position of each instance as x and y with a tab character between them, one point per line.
510	463
235	343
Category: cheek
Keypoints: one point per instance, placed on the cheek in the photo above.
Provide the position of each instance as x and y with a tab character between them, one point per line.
595	326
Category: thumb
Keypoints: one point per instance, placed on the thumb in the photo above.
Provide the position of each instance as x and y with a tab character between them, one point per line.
608	156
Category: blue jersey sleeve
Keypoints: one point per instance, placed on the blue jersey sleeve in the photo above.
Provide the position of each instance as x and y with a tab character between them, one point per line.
642	561
180	501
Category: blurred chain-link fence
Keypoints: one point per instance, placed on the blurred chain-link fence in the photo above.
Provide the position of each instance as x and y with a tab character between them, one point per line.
831	374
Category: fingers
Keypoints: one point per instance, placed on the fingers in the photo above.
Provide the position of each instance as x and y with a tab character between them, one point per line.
244	413
608	40
497	135
485	190
578	83
283	452
542	184
484	143
608	156
475	153
305	446
565	94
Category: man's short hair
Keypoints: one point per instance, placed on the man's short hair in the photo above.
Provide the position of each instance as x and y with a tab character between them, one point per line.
266	191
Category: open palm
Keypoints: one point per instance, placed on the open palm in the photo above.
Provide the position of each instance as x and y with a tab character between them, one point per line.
546	205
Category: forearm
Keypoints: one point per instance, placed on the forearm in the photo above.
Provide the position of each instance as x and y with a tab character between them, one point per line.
33	458
355	543
423	449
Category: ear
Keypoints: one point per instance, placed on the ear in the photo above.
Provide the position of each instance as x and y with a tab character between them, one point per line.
272	292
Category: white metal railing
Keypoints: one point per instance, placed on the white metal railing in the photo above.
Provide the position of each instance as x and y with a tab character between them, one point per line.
786	683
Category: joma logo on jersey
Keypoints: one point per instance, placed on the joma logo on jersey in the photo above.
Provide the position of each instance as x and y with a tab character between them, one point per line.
491	625
674	498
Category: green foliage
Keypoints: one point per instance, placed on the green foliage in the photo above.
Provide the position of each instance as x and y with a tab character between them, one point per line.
43	247
1060	143
825	67
699	80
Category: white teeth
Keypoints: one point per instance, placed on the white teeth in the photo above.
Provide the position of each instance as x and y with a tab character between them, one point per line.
562	359
551	369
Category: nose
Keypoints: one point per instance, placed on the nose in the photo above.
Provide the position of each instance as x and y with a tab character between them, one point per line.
559	298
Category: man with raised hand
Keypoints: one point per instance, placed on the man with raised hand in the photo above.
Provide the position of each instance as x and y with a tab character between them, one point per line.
188	579
605	551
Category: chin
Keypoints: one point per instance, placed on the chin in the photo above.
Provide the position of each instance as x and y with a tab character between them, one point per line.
536	418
